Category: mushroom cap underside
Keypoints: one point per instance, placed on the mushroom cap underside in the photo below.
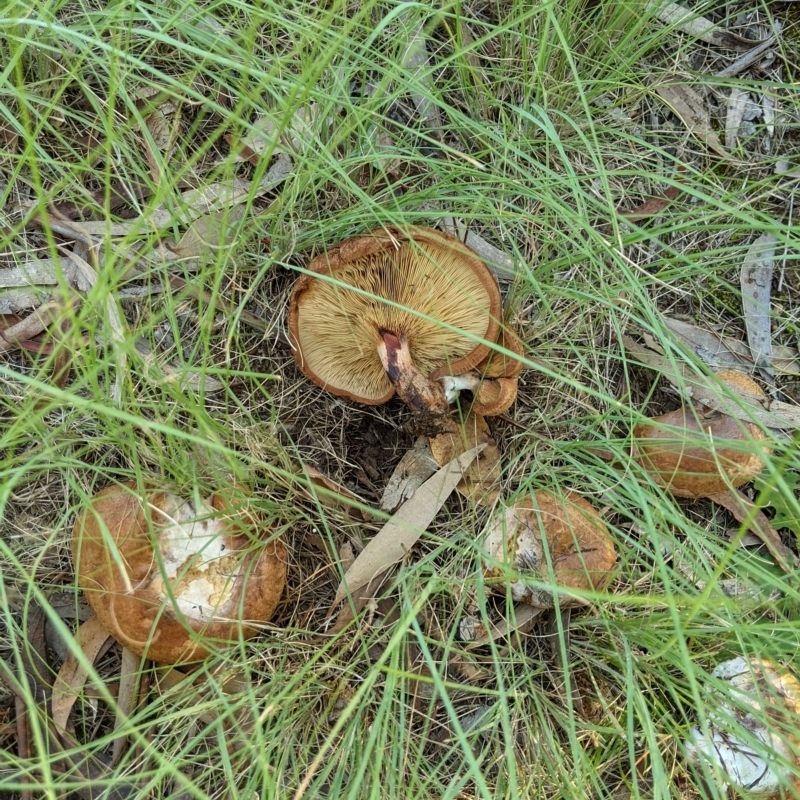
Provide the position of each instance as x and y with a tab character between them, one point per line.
160	602
419	285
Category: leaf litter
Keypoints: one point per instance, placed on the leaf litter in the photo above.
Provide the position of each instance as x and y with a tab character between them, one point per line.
688	105
756	284
395	539
204	237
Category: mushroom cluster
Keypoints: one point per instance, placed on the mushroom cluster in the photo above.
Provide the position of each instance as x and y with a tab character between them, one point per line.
166	576
412	312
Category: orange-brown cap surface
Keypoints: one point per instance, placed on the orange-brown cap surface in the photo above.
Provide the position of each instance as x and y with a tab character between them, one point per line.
162	574
694	453
402	282
548	540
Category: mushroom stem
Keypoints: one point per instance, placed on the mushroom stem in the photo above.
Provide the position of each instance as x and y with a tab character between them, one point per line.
423	396
453	385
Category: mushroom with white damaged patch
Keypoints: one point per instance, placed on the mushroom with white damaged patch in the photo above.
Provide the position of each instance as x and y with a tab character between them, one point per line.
163	573
543	545
385	312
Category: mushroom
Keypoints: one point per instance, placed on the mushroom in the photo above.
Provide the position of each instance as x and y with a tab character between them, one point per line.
493	382
380	313
695	452
751	740
162	573
541	542
482	475
546	540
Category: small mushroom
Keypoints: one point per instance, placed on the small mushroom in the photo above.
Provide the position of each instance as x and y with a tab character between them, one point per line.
546	540
163	573
694	452
493	382
380	313
751	741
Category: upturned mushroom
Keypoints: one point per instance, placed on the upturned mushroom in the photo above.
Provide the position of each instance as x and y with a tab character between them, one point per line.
167	576
382	313
694	452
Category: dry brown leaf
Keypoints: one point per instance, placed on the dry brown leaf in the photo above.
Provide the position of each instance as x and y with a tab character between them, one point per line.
14	332
333	494
347	556
499	263
707	390
19	300
209	233
745	512
477	635
474	61
689	106
414	468
756	282
723	352
39	272
216	196
162	132
737	103
271	134
117	334
71	678
747	60
127	697
396	538
654	205
415	60
689	22
159	371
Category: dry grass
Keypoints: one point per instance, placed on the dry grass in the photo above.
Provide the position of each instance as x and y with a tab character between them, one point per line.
548	128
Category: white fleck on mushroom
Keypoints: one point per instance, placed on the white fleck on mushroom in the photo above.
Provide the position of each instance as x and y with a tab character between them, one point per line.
162	574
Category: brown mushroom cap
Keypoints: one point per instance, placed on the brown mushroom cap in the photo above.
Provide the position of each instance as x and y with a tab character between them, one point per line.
336	331
685	449
495	397
203	578
542	530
